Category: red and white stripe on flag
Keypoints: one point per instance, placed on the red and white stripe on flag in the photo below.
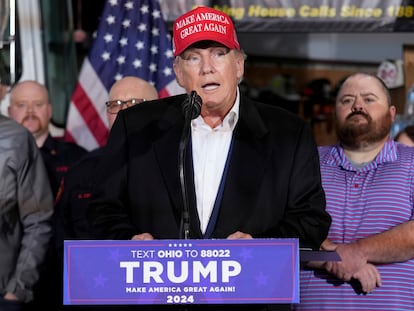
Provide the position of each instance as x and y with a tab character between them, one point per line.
132	40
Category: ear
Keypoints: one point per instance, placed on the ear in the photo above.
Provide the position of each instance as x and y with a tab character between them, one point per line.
239	66
49	110
178	74
393	112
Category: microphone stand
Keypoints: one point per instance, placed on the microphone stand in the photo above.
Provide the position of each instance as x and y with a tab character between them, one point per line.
191	109
185	221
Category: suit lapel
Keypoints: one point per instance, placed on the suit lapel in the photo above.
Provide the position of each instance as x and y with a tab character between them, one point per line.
166	152
246	169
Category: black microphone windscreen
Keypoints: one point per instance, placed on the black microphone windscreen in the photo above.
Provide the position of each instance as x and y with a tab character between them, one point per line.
192	105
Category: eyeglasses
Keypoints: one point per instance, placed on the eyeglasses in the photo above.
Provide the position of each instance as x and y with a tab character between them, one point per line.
217	56
25	105
114	106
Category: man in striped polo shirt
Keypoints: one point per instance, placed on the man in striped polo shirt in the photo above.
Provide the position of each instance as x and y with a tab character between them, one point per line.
369	183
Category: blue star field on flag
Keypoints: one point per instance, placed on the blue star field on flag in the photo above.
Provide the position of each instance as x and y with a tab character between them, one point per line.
132	40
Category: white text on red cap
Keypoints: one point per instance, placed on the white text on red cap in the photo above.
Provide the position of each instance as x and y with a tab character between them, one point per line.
201	17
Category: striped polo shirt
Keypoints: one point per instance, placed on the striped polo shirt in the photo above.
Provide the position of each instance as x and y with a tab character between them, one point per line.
363	202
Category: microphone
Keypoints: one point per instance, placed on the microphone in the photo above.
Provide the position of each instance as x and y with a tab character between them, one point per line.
191	110
192	106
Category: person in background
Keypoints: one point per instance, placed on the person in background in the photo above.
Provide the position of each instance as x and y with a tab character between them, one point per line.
74	194
369	184
76	186
406	136
252	168
30	106
26	208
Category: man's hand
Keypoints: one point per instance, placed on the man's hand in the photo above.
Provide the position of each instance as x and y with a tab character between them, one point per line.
239	235
143	236
10	296
353	265
352	260
369	278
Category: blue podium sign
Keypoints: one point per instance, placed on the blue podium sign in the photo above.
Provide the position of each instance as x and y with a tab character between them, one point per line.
262	271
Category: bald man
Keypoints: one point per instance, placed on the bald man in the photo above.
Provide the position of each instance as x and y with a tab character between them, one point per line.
127	92
76	188
72	202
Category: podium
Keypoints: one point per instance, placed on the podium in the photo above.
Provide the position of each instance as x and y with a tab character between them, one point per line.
252	271
310	255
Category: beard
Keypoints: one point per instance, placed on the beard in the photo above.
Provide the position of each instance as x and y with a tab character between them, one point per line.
356	134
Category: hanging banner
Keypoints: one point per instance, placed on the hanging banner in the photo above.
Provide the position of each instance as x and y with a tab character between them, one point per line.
306	16
256	271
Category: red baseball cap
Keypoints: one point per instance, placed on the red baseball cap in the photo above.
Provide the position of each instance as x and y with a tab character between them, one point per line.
203	24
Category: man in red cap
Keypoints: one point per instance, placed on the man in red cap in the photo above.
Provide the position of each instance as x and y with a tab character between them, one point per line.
251	170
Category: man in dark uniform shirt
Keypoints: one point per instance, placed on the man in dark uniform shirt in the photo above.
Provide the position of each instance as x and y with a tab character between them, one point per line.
31	107
59	156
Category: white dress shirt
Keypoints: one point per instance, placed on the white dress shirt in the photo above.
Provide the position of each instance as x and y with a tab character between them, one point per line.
210	148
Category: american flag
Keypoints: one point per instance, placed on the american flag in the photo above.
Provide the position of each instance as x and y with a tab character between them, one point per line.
131	40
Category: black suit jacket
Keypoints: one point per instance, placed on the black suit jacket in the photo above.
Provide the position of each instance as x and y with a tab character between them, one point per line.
273	187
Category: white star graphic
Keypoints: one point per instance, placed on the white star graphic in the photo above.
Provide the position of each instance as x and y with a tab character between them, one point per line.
152	67
126	23
144	9
169	54
129	5
139	45
123	41
155	32
106	56
154	49
121	59
156	14
167	71
110	19
108	38
137	63
142	27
